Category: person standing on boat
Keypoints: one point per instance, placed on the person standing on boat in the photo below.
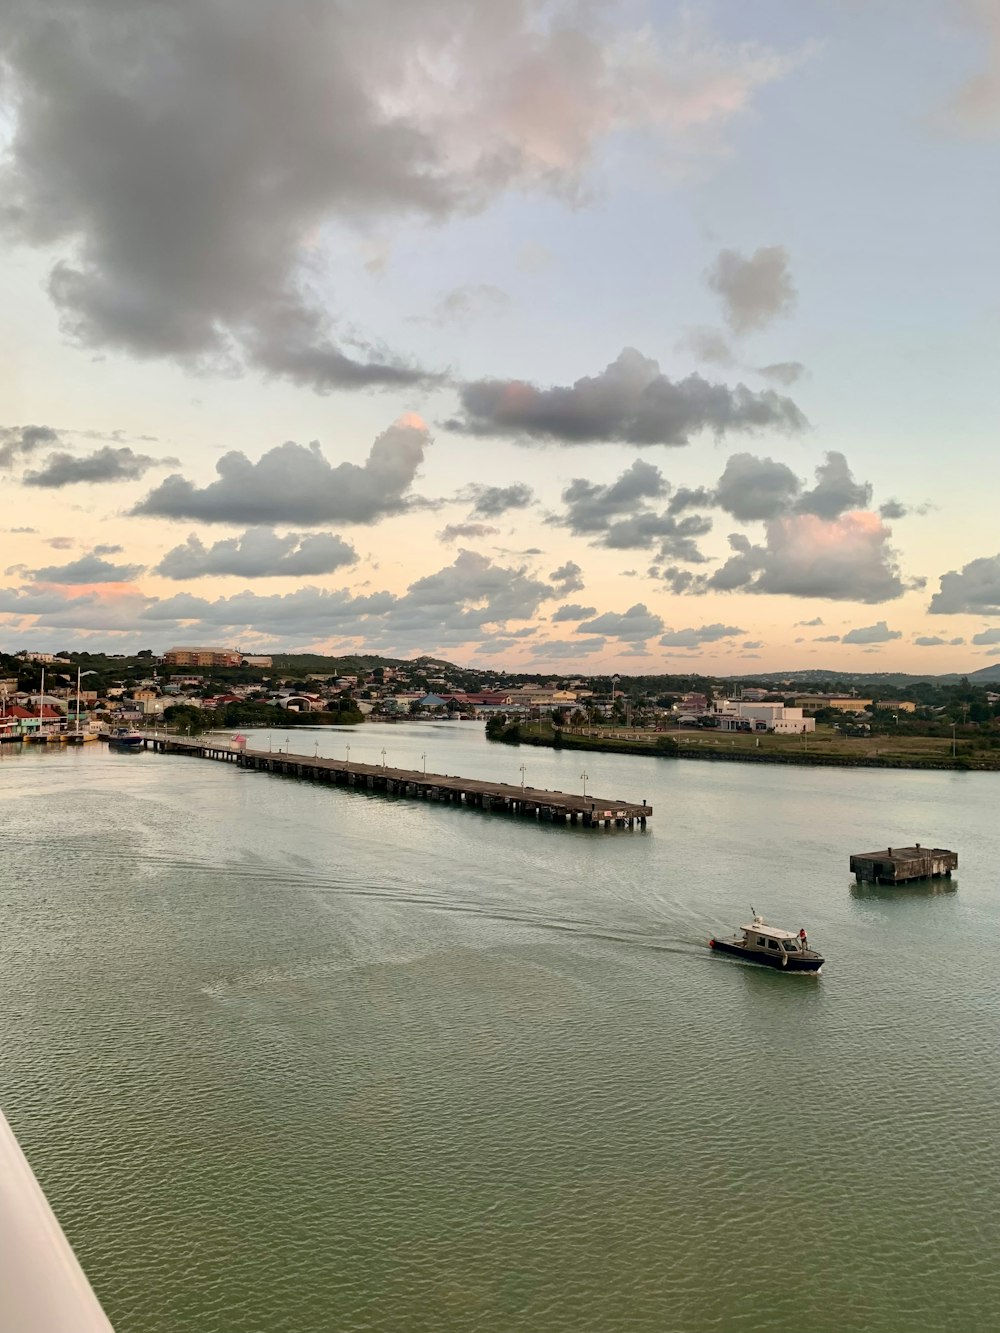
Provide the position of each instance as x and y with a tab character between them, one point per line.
803	942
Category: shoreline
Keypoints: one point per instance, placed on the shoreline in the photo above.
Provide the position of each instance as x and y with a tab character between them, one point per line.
657	750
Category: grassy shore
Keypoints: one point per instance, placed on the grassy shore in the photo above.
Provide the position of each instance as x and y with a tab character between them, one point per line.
824	747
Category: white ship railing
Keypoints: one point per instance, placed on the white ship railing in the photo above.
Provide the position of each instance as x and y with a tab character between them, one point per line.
43	1289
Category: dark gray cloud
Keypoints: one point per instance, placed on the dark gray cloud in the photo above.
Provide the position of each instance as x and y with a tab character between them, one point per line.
454	532
809	624
986	636
635	625
687	497
844	559
835	491
190	163
21	441
825	638
492	501
752	488
617	515
751	644
567	579
877	633
590	507
573	611
975	589
295	484
89	568
754	291
103	465
630	401
695	637
893	509
786	373
935	641
259	553
66	544
108	550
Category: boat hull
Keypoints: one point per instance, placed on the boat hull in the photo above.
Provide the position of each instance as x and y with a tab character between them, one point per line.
125	742
783	962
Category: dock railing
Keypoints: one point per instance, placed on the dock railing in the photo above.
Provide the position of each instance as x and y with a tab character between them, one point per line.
43	1289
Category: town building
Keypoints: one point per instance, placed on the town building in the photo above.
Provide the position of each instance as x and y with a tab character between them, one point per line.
738	715
204	657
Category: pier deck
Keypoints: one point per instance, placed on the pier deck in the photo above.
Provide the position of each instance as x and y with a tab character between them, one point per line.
567	807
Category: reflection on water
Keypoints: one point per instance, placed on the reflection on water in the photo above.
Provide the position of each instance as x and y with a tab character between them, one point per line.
294	1058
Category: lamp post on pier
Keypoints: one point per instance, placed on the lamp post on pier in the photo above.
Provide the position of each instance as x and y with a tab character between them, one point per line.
424	761
583	779
348	758
383	756
522	777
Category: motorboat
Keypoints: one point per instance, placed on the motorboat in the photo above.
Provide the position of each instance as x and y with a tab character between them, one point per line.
761	943
125	738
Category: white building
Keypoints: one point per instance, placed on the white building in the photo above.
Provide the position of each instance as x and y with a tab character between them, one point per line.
735	714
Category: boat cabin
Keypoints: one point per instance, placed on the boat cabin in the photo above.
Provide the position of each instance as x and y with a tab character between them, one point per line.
759	935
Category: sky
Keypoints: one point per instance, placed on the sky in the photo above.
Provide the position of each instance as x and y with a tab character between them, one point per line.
563	336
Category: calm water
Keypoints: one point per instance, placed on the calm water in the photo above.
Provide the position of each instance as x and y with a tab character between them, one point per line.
296	1059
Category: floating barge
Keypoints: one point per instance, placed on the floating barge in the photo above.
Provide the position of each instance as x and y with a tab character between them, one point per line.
900	865
532	802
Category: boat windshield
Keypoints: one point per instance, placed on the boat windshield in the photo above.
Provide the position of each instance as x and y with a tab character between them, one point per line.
791	946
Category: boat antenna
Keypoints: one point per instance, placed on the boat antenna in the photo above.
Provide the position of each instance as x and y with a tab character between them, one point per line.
753	910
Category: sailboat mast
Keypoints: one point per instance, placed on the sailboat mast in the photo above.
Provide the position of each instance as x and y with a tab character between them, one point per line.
41	703
78	699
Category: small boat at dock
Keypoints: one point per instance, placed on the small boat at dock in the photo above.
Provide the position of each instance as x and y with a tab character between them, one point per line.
772	947
124	738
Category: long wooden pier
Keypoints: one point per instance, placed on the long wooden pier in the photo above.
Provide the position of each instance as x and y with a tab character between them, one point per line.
533	802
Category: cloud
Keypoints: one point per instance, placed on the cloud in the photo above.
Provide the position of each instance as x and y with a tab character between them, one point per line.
986	636
708	345
752	488
192	166
935	641
66	544
844	559
635	625
108	550
590	507
295	484
560	649
567	578
466	531
694	638
492	501
974	108
825	638
630	402
573	611
976	589
462	604
786	373
258	553
877	633
752	643
754	291
617	516
462	305
809	624
103	465
893	509
90	568
20	441
835	490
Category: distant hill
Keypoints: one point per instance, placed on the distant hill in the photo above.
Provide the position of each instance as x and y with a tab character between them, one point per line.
986	674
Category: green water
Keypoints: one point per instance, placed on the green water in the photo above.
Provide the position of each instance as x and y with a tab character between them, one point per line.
289	1058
